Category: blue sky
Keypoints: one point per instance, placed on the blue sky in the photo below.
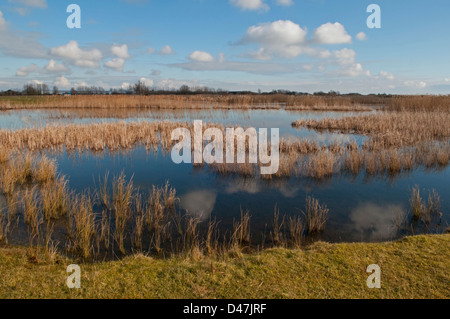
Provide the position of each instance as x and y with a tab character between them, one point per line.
302	45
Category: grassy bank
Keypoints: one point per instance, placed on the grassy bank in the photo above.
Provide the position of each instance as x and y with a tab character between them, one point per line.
415	267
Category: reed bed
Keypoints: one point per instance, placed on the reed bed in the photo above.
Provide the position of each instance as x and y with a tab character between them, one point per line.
388	129
203	101
427	103
422	210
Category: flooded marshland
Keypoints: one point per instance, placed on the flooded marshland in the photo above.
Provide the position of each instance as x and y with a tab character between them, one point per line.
361	206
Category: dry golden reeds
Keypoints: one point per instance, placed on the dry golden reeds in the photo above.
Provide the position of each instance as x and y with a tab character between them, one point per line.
316	215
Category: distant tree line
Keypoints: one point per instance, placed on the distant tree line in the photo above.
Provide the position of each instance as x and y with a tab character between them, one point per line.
140	88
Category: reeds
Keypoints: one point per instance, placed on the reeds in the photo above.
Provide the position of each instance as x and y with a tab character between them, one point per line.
122	201
44	170
424	210
84	227
240	235
316	215
55	198
201	101
389	129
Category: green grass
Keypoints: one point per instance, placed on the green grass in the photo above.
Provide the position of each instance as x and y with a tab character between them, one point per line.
415	267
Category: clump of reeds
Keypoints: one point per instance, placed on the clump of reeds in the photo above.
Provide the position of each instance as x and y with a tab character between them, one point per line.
122	201
278	223
316	215
4	227
44	170
424	210
320	165
296	229
55	198
5	154
31	213
240	235
84	228
8	180
22	169
191	237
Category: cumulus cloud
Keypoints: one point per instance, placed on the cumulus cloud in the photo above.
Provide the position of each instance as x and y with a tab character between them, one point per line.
331	33
147	82
62	82
26	70
3	23
346	59
125	86
201	56
283	37
54	67
77	56
386	75
167	50
285	3
31	3
416	84
115	64
250	4
121	51
361	36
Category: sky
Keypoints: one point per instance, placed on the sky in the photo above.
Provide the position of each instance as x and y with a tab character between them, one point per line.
299	45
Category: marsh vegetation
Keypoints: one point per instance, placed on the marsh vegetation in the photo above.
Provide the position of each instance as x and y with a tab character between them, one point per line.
113	217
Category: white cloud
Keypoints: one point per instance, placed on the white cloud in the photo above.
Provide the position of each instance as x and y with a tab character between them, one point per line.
31	3
54	67
115	64
62	82
250	4
331	33
345	56
416	84
167	50
200	56
386	75
285	3
125	86
361	36
76	56
26	70
346	59
283	38
147	82
3	23
121	51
